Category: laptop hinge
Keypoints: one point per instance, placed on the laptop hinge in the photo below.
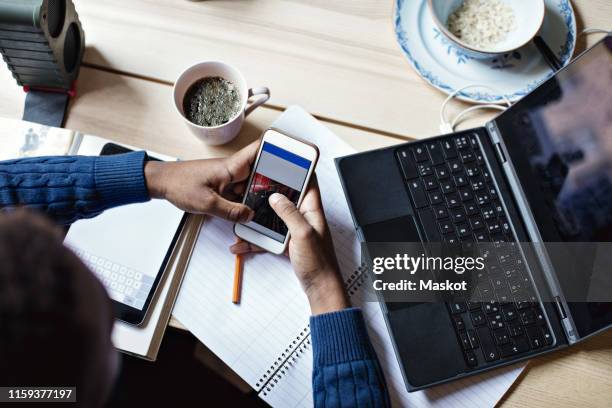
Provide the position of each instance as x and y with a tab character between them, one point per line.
493	131
566	322
560	307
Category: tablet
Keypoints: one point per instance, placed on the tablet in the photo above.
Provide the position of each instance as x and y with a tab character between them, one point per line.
128	249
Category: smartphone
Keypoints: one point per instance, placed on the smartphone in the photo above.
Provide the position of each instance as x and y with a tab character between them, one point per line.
284	165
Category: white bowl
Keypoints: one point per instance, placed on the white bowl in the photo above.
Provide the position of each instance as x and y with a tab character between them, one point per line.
528	16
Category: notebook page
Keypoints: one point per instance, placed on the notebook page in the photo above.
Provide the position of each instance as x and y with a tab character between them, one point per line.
292	384
252	336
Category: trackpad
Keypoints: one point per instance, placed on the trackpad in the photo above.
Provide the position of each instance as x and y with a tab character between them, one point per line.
426	343
400	229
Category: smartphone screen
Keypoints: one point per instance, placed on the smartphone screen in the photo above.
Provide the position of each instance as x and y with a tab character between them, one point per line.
278	171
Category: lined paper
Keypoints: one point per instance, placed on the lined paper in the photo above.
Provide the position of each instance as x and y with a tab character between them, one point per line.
252	337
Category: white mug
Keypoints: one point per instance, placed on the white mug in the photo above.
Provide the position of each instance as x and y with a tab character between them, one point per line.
216	135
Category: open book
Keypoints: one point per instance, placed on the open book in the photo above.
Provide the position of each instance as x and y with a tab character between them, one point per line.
25	139
266	339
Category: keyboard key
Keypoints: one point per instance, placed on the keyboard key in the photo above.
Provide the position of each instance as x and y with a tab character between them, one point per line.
425	169
488	213
480	158
482	198
471	209
436	197
509	312
478	318
478	184
515	329
451	239
452	200
467	156
493	227
505	225
435	152
487	344
472	170
534	334
458	321
491	307
495	321
539	315
460	180
420	154
442	172
461	142
470	358
527	316
492	191
417	192
446	227
481	236
499	209
428	221
457	307
503	295
486	292
474	141
486	175
449	149
407	165
458	215
474	306
501	336
522	304
498	283
515	285
509	350
521	343
430	183
548	339
463	230
440	212
447	186
472	338
476	223
465	194
455	166
464	340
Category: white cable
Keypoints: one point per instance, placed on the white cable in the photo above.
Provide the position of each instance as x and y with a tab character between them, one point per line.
473	108
449	127
593	31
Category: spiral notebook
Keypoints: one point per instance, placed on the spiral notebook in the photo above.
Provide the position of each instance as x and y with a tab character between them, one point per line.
266	339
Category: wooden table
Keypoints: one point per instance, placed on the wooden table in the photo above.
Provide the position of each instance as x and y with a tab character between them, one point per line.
338	59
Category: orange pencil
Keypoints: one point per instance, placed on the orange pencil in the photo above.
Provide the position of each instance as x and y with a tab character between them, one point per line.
237	280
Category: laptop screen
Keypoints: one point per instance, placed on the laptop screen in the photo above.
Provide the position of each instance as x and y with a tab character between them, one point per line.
559	139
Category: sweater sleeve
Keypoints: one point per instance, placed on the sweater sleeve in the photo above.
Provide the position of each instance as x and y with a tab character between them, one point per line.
71	187
346	371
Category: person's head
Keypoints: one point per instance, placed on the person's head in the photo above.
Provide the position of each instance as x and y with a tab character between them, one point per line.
55	316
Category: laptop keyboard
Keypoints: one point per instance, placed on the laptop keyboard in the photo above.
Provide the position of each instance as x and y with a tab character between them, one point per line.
457	203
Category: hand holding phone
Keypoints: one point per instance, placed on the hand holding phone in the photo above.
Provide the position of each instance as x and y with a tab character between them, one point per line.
310	250
284	165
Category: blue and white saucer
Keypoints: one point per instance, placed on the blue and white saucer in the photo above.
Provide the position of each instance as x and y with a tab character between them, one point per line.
448	68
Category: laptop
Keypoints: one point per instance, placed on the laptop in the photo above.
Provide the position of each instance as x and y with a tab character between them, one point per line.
537	179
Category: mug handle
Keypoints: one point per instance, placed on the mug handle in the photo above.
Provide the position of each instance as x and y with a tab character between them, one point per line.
262	90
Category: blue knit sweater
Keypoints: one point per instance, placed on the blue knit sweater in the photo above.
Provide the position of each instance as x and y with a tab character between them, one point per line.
346	371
